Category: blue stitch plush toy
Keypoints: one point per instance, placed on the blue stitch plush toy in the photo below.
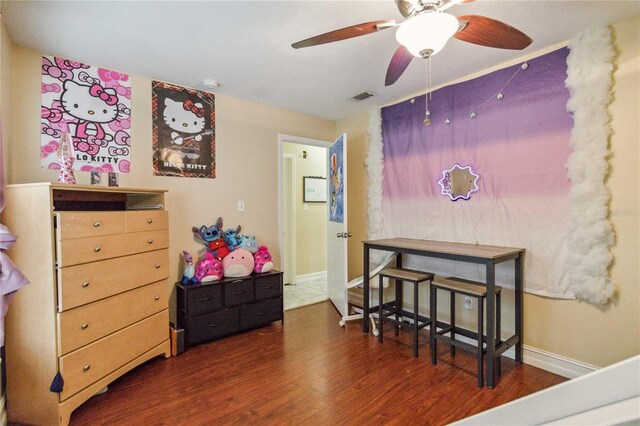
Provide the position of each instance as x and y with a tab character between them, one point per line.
232	237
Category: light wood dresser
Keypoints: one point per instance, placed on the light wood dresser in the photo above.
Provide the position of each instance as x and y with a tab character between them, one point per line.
97	306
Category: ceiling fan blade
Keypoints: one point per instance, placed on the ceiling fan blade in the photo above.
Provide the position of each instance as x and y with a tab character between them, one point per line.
399	62
345	33
491	33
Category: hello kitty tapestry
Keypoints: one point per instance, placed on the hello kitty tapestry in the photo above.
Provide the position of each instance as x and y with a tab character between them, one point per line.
93	105
184	137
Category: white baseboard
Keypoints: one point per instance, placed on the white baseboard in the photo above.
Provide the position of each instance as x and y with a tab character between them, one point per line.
556	364
301	279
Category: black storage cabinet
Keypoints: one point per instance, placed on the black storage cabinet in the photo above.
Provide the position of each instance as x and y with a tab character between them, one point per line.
209	311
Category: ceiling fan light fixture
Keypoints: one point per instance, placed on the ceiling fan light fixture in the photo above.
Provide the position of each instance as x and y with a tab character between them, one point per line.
426	34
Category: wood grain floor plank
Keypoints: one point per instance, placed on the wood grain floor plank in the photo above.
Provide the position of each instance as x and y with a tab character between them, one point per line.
308	371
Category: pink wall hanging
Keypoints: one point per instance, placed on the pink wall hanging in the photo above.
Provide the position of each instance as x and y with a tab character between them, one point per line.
93	105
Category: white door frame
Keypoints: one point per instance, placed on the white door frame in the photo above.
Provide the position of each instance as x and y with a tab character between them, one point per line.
292	222
282	138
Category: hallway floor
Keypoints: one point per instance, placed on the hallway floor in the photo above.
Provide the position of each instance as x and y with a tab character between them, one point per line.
305	293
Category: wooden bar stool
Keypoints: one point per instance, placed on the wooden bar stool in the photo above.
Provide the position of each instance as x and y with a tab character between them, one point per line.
415	277
471	289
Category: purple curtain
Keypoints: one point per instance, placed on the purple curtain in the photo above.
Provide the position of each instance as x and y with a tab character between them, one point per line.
517	142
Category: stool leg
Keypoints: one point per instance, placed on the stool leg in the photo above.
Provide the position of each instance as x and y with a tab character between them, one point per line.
480	341
498	332
433	307
415	319
398	305
452	315
380	311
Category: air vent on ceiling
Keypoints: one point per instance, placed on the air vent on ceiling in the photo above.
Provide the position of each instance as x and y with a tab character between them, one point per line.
362	96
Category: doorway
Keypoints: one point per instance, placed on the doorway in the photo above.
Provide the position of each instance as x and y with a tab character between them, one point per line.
302	222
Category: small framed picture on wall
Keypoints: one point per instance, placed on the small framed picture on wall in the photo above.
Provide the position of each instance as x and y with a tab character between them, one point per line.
314	189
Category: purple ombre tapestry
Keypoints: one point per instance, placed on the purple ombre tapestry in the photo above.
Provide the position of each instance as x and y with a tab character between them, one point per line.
518	142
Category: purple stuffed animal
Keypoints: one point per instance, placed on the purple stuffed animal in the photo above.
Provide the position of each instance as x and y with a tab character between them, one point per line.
238	263
263	261
209	269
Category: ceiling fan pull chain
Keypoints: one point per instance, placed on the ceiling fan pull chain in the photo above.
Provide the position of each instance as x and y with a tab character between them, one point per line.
427	96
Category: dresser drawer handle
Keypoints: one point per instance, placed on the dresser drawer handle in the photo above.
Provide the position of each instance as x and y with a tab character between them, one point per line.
236	281
268	287
84	326
96	225
205	300
260	314
157	266
85	284
86	368
97	249
215	324
238	293
157	298
149	221
149	241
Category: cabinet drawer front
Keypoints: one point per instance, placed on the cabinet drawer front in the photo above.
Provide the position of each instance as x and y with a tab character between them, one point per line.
92	362
88	323
268	286
204	299
138	242
260	313
82	284
90	249
89	224
145	220
238	291
214	325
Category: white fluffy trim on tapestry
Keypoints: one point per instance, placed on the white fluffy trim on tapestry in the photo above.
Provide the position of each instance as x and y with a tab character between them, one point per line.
375	164
590	235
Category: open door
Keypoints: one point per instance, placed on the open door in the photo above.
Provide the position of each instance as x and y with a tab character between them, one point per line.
337	233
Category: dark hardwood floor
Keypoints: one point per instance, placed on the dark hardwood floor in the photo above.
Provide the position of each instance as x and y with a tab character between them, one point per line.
308	371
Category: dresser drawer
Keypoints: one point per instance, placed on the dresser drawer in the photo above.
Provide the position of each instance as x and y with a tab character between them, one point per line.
204	299
82	284
268	286
260	313
214	325
89	224
138	242
85	324
92	362
90	249
238	291
146	220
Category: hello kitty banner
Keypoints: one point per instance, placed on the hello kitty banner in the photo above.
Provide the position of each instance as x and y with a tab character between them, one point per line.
184	137
94	106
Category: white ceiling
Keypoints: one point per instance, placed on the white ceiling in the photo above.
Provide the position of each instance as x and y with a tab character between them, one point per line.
246	45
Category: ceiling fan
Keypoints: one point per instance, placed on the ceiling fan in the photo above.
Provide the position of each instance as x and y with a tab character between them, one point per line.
425	32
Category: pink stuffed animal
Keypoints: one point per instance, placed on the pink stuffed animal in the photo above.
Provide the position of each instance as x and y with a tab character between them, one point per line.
263	261
209	269
238	263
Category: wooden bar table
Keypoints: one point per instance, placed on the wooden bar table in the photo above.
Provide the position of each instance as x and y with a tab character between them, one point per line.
472	253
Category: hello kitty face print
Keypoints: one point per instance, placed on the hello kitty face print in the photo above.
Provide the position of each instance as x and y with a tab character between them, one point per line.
183	131
93	105
186	119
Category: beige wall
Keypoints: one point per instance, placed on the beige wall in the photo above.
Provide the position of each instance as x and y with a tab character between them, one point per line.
5	87
311	224
247	159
